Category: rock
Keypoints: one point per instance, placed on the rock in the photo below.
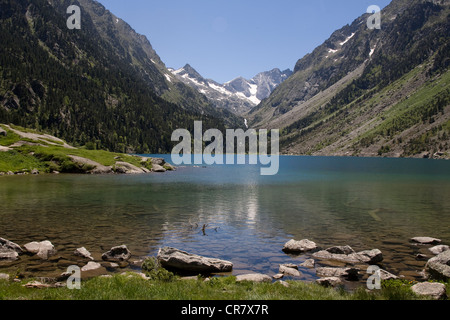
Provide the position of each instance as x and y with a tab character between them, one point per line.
117	254
42	249
301	246
329	281
176	259
385	275
435	290
346	254
9	250
283	283
341	250
8	254
10	245
3	133
91	266
290	270
308	263
4	276
421	256
158	168
34	171
158	161
254	277
127	168
84	253
426	240
370	256
40	285
97	167
349	273
278	276
439	249
439	267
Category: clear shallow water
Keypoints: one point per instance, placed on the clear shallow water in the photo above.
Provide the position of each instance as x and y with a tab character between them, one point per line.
364	203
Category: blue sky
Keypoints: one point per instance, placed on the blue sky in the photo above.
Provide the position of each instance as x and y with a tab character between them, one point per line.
229	38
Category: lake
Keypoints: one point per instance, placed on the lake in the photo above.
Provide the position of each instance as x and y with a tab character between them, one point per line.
366	203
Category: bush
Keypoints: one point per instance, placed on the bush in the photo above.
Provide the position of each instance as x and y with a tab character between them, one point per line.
153	269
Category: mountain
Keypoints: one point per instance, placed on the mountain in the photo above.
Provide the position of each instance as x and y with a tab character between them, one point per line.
103	84
238	95
370	92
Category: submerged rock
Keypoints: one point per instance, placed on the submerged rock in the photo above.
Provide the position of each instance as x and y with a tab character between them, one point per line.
176	259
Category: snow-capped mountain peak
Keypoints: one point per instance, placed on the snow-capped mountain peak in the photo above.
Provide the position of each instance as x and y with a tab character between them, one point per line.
238	95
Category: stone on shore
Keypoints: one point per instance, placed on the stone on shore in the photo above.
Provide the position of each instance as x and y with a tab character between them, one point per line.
439	267
254	277
171	258
158	168
117	254
127	168
4	276
84	253
91	266
43	249
10	245
308	263
290	270
329	281
436	291
439	249
426	240
301	246
348	255
9	251
349	273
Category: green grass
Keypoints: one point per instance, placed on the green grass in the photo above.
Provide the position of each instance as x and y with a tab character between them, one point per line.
48	157
131	287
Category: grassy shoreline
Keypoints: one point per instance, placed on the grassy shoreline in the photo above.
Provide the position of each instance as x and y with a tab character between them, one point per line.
133	287
24	151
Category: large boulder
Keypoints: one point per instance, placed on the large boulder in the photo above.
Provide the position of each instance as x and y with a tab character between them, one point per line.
301	246
172	258
158	168
117	254
439	267
43	249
